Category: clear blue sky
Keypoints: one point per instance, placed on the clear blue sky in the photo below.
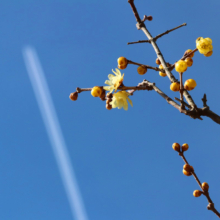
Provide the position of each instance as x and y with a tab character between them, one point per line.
124	163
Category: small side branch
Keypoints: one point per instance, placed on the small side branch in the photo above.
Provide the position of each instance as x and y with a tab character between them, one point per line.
149	67
204	192
168	31
131	2
204	100
158	36
182	102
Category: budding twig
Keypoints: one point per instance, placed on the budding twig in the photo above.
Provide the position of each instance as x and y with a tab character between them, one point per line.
184	57
149	67
204	192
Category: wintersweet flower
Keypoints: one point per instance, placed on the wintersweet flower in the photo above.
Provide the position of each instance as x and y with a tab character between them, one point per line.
204	45
120	99
114	81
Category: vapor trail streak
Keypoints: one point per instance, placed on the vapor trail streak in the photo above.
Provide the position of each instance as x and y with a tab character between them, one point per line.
51	122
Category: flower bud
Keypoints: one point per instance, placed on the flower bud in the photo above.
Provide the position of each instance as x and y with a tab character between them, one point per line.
187	173
185	147
108	101
175	86
190	84
122	61
208	54
161	73
189	51
180	66
122	67
149	18
73	96
197	193
204	45
102	96
189	61
205	186
96	91
141	70
158	61
176	147
108	106
187	168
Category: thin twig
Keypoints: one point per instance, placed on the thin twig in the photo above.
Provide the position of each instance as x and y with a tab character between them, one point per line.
140	41
147	66
168	31
158	36
181	90
188	106
205	193
204	100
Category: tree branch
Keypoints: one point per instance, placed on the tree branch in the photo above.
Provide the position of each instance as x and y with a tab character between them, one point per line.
141	25
148	67
204	192
158	36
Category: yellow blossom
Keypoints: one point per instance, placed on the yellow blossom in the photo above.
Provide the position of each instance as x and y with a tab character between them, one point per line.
204	45
114	81
120	99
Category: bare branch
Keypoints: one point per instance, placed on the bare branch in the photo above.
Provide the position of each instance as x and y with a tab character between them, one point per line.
184	103
168	31
204	100
158	36
140	41
208	113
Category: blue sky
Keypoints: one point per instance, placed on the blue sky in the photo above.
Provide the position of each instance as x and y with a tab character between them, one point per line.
123	160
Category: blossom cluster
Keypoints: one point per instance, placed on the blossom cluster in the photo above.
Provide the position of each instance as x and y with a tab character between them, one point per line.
121	98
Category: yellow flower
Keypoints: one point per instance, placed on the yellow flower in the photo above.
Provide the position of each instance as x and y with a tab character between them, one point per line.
120	100
204	45
114	81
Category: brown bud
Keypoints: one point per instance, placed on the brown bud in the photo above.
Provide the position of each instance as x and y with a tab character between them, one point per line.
108	106
187	168
149	18
205	186
122	67
197	193
73	96
185	147
109	95
176	147
102	96
187	173
108	101
158	61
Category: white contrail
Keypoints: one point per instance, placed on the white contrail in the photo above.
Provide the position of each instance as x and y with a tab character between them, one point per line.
51	122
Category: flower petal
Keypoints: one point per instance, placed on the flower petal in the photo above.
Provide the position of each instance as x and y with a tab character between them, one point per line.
107	88
125	106
111	77
108	82
130	101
